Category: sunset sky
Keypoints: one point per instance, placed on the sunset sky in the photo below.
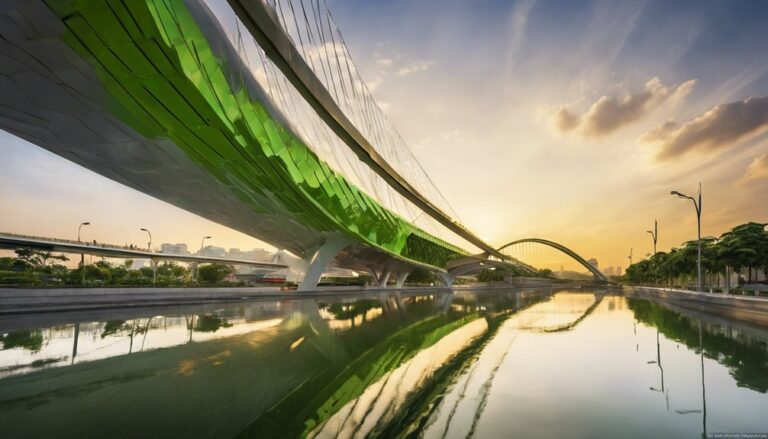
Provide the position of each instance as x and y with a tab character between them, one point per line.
565	120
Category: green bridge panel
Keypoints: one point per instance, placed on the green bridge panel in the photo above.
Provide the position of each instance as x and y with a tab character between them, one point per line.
166	82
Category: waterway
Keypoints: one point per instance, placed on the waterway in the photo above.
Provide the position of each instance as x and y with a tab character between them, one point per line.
523	363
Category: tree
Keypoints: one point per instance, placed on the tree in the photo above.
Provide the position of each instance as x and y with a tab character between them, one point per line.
37	258
488	275
212	273
745	246
421	276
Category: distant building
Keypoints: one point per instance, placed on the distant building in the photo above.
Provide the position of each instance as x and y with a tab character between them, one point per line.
213	251
593	262
257	254
174	249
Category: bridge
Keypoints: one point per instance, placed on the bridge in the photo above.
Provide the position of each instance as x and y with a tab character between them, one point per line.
12	241
251	115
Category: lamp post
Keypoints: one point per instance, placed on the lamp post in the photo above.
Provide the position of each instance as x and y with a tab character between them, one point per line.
149	245
630	257
194	272
202	243
697	206
86	223
82	255
654	234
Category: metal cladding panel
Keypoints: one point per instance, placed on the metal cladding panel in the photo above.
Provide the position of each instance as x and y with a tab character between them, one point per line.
168	92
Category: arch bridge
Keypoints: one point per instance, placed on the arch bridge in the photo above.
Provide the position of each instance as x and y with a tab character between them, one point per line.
592	269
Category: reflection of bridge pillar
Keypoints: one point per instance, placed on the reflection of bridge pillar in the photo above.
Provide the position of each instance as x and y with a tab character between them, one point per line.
154	262
447	279
445	302
401	277
320	260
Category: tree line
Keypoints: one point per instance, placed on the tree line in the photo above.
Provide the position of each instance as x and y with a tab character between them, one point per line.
32	267
743	250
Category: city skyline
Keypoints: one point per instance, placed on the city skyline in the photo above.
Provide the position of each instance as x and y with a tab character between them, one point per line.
549	142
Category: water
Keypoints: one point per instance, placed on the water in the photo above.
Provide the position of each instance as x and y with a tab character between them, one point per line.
538	363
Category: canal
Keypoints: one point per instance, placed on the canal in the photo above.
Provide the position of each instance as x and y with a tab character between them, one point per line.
523	363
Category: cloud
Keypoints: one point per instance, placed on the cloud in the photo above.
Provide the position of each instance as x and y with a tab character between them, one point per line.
718	128
384	62
609	113
565	120
416	66
757	170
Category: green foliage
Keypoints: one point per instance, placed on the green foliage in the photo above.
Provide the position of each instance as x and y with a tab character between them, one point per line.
747	359
421	276
744	247
210	324
213	273
489	275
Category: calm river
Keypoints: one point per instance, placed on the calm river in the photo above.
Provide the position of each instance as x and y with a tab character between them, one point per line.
530	363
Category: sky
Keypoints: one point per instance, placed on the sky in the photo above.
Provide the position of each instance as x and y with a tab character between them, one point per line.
570	121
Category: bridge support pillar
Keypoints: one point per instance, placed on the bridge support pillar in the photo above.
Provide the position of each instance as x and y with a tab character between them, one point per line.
384	279
401	277
193	270
320	260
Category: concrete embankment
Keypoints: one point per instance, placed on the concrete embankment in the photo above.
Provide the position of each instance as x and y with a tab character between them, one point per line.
26	300
745	308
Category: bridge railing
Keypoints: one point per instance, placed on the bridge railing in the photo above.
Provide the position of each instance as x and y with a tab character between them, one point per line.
93	243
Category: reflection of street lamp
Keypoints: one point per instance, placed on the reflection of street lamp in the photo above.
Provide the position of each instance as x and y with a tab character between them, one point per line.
149	246
703	410
703	388
697	206
658	363
654	234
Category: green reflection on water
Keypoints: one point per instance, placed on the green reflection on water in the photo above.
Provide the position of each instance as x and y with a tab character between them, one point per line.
31	340
745	357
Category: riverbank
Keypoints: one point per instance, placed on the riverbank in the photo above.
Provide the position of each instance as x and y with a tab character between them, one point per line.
34	300
751	309
41	300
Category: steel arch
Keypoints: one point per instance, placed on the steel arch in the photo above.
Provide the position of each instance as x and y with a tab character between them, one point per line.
563	249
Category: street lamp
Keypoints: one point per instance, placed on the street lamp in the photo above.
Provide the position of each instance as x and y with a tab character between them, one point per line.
697	206
654	234
82	255
203	243
630	256
149	246
80	228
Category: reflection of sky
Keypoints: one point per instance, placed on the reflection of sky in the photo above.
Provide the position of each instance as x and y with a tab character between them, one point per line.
594	380
162	332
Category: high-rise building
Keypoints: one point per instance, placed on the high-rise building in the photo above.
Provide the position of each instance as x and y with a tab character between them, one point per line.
174	249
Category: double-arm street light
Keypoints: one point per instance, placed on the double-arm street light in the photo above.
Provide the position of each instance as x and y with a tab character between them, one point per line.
654	234
697	206
149	246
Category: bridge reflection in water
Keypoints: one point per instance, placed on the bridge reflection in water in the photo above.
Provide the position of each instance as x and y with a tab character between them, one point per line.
526	362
